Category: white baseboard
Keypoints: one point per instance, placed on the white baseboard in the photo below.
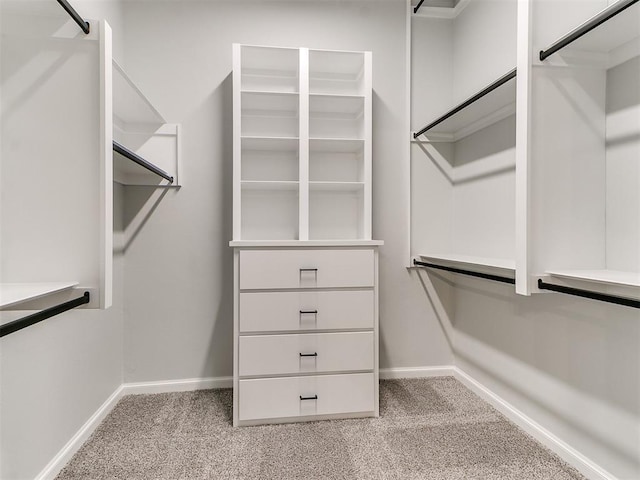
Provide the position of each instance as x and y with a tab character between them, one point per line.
541	434
58	462
416	372
182	385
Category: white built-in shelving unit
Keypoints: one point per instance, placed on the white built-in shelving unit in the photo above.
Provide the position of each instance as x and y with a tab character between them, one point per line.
567	209
463	152
585	157
305	266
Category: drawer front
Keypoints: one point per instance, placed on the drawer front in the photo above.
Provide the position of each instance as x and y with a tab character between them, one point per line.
305	310
265	269
305	353
280	397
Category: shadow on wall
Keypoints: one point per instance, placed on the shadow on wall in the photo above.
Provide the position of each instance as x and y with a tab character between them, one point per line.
223	321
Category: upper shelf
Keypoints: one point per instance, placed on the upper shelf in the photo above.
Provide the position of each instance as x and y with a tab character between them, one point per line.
606	277
492	266
491	104
614	32
15	293
130	106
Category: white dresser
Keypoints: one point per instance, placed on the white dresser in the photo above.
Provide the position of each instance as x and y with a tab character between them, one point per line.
305	332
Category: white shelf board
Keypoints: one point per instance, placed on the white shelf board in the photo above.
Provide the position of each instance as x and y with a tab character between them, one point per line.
268	185
493	107
336	145
305	243
269	92
340	105
16	293
254	102
607	277
499	266
336	186
271	144
616	33
130	106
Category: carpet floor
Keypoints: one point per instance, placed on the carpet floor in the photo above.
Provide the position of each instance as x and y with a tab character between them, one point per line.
428	429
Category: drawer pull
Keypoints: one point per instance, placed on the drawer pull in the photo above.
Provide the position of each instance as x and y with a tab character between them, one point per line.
308	269
315	397
314	354
308	312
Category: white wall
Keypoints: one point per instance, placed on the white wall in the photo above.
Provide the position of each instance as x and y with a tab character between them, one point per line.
55	375
179	315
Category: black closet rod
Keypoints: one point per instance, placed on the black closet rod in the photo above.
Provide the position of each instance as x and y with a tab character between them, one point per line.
486	276
34	318
417	7
502	80
86	28
627	302
124	151
586	27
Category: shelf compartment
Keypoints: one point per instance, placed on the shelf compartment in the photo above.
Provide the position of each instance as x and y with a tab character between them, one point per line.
269	158
614	32
270	69
12	294
269	211
336	116
336	210
492	266
493	103
336	72
269	114
130	106
337	160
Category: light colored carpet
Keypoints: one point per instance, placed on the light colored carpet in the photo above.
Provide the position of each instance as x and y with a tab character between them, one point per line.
428	429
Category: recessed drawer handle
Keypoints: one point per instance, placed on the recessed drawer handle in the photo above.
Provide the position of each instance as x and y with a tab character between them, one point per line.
315	397
314	354
309	312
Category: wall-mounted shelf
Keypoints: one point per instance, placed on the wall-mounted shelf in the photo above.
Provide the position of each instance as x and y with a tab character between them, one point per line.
494	266
141	129
605	277
493	103
12	294
609	37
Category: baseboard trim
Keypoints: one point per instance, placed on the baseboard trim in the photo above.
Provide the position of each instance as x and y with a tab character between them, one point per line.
58	462
182	385
537	431
417	372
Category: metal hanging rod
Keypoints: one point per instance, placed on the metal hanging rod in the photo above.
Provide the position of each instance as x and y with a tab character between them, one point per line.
502	80
486	276
627	302
417	7
34	318
125	152
586	27
84	25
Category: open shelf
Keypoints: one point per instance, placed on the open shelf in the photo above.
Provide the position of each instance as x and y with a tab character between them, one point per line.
269	159
608	277
130	106
269	69
268	114
336	116
336	72
336	210
490	105
336	186
269	185
613	34
16	293
495	266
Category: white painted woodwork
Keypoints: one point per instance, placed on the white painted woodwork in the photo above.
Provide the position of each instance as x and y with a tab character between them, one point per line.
282	354
15	293
306	118
496	266
609	277
280	397
301	268
130	106
281	311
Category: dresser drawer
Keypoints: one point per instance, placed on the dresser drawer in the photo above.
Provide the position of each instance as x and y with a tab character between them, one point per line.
305	353
281	397
266	269
306	310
